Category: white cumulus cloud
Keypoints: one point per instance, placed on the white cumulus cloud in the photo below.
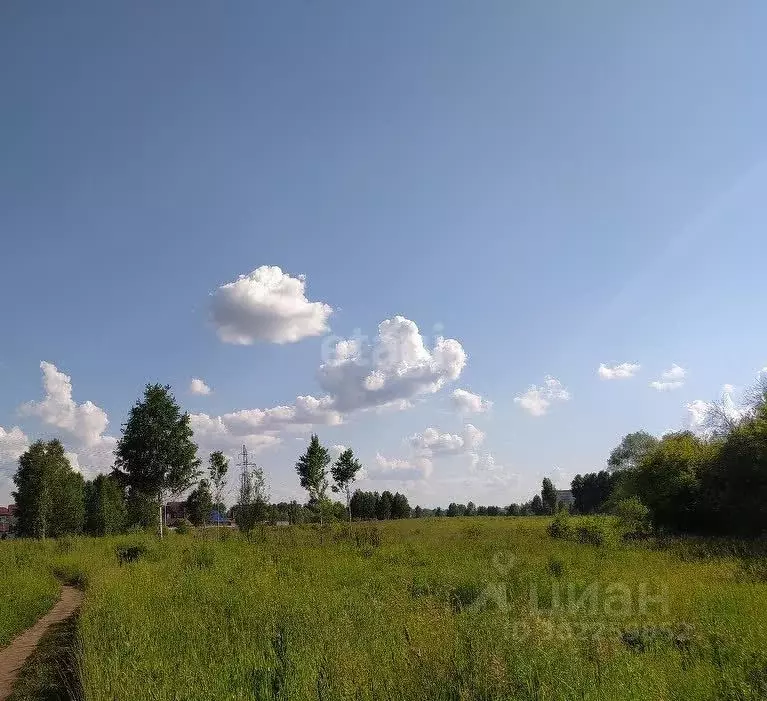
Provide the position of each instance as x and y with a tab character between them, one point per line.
86	422
399	470
13	442
467	402
432	443
267	305
537	400
83	424
621	371
197	386
670	379
703	415
395	368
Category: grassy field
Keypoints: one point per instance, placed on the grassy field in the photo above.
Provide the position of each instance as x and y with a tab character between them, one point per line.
479	608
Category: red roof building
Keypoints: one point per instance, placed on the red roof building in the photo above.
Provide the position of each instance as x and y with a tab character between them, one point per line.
7	518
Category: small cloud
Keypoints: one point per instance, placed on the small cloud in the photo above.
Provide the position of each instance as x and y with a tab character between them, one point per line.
670	379
537	400
675	372
469	403
665	386
197	386
618	372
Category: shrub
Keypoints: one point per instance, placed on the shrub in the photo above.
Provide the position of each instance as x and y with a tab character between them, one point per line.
556	567
560	526
130	553
591	532
633	517
183	527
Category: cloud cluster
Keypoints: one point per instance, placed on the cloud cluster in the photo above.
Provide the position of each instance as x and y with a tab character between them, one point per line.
537	400
385	375
618	372
670	379
197	386
267	305
428	446
703	416
466	402
85	422
432	443
13	442
395	368
397	470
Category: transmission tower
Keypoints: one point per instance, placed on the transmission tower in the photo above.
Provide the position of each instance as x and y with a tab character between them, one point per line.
244	473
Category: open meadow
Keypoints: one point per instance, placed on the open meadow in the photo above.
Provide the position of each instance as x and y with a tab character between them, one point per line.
455	608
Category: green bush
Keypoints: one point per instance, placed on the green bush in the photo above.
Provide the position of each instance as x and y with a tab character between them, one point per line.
591	531
560	527
633	517
183	527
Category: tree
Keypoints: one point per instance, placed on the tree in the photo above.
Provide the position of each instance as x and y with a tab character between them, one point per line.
513	510
668	481
199	504
592	491
252	502
630	451
536	506
400	507
105	512
345	472
384	506
218	466
155	455
548	496
417	512
49	494
471	509
312	471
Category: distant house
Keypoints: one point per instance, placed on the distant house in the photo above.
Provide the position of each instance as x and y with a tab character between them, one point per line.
565	496
175	511
7	520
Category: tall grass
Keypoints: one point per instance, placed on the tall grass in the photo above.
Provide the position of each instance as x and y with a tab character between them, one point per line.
440	609
422	609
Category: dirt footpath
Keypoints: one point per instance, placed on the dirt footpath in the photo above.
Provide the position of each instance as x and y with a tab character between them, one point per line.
15	655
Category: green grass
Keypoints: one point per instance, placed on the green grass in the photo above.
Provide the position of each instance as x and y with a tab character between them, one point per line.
28	588
426	609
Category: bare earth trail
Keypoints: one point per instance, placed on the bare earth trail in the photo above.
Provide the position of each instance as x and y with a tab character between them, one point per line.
15	655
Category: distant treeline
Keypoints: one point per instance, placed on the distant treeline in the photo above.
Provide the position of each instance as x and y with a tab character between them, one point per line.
714	483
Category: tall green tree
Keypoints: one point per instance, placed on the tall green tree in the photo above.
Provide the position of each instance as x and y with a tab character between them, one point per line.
312	469
218	467
548	496
668	481
400	508
49	494
156	454
344	472
384	506
592	491
536	506
199	504
252	505
630	451
105	510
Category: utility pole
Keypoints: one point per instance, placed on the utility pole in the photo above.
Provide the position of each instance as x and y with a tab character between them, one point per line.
244	474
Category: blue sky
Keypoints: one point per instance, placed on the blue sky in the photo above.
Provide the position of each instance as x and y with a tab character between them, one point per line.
549	186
